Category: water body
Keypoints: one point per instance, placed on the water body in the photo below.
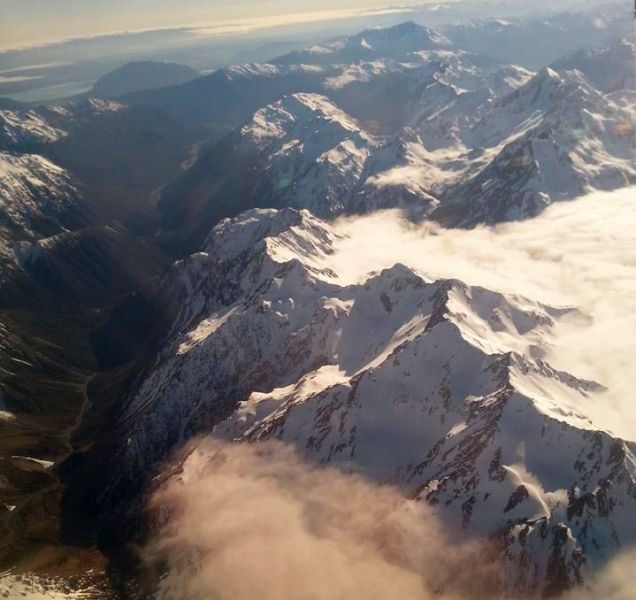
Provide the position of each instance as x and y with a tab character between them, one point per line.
52	92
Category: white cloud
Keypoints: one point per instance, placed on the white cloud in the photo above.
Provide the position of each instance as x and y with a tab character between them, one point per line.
245	521
254	521
580	253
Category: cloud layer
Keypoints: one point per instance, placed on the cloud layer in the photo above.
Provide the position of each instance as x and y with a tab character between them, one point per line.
580	253
254	521
245	521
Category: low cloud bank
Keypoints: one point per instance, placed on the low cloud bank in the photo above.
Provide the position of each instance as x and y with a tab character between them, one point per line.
615	582
580	253
254	521
245	521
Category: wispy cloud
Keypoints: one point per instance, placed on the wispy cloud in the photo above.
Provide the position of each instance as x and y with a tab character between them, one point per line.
245	521
258	23
254	521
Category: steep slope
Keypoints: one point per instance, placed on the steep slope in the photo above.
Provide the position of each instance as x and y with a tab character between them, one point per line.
37	199
555	138
24	129
416	165
387	94
138	150
228	96
77	224
314	153
436	386
60	273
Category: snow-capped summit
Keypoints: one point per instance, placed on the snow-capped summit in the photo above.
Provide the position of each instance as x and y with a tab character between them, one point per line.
524	107
309	153
232	237
265	70
299	116
392	42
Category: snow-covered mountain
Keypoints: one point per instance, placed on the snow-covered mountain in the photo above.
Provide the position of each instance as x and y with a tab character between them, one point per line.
439	386
51	182
610	68
434	385
555	138
37	199
305	151
314	153
536	41
28	129
463	137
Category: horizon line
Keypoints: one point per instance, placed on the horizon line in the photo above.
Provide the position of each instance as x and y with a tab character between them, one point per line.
233	27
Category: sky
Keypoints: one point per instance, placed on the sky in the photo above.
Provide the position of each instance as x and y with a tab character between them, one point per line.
30	22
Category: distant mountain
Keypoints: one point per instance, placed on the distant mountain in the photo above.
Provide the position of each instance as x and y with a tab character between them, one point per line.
383	42
511	40
228	96
536	42
138	76
458	136
610	68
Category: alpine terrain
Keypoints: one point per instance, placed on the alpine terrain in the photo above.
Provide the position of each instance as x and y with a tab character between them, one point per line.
197	261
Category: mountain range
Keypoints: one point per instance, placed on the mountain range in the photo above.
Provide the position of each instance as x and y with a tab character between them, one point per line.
466	139
171	265
435	386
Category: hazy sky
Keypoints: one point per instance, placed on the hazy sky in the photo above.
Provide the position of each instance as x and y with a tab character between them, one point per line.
26	22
